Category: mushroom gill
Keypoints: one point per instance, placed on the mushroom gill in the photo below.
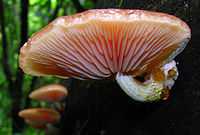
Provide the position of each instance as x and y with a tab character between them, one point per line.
103	43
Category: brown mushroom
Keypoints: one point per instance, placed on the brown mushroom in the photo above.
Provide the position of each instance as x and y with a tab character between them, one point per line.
103	43
40	115
50	93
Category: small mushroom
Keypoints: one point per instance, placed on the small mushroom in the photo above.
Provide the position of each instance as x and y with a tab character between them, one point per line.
50	93
40	115
106	43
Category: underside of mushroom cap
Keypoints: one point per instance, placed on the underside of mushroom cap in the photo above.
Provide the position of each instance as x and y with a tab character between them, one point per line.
98	44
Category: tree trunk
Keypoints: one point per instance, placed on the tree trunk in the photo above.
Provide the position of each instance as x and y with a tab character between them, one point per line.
18	123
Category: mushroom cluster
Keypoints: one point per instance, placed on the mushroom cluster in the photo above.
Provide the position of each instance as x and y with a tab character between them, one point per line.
135	47
45	118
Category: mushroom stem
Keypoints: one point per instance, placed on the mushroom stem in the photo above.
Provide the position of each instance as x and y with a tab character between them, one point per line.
152	89
138	91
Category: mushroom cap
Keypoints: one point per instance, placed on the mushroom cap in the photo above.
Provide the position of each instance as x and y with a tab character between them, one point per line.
50	93
42	115
98	43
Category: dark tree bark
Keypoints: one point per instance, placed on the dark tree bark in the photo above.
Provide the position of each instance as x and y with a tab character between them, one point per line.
34	81
17	92
78	6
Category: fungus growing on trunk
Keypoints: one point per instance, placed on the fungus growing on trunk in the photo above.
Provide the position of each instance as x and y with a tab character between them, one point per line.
41	116
107	43
50	93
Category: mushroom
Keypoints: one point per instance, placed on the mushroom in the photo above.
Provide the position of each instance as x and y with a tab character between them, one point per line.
50	93
107	43
40	116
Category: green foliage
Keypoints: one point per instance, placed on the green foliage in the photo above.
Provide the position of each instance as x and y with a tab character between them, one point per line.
32	131
40	13
87	4
5	120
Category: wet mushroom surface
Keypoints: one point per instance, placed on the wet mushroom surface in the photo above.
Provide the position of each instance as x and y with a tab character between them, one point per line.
111	43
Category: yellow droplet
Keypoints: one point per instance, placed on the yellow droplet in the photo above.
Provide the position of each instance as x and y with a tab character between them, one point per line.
171	73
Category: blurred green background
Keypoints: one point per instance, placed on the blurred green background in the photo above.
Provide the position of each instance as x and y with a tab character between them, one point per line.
19	20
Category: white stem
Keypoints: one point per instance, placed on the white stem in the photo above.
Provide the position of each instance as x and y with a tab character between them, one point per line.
150	90
138	91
